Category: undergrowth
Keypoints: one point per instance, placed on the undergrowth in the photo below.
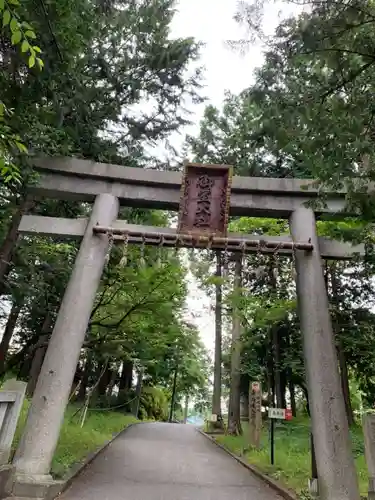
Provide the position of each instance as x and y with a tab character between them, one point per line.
77	442
292	454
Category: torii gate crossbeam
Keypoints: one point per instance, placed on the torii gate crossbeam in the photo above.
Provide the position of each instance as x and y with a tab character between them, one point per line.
110	185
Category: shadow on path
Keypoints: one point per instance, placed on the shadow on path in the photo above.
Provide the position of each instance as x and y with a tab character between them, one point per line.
159	461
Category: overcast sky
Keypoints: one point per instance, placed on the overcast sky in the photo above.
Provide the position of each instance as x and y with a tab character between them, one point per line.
211	21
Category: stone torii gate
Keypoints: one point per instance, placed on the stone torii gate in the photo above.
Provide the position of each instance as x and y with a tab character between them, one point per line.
204	188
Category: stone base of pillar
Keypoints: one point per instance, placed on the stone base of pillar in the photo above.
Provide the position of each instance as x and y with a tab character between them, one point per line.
6	478
28	487
215	426
313	488
371	488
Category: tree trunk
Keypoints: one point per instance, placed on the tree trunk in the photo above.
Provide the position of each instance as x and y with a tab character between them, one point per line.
234	416
113	381
245	406
85	378
270	377
24	369
344	375
289	376
104	381
74	388
39	354
306	394
277	372
99	382
126	379
314	472
36	365
186	408
19	357
8	333
138	392
292	392
216	397
173	397
283	382
275	334
7	248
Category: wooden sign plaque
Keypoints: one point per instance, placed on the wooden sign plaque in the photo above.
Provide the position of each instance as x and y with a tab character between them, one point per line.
205	200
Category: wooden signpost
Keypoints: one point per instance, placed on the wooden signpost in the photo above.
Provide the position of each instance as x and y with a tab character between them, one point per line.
255	413
369	437
276	414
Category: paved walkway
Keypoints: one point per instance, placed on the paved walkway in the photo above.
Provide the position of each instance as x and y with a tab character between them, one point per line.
159	461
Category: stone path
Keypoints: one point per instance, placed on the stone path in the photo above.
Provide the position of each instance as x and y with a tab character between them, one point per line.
159	461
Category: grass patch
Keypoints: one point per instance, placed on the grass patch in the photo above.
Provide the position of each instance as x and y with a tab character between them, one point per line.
76	443
292	453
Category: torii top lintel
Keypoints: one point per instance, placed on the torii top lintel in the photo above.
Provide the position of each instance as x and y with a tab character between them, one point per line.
71	178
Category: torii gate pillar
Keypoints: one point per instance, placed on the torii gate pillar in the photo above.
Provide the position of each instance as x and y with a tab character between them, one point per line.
334	457
36	449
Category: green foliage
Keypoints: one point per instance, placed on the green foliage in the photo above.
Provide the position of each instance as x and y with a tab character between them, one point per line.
9	142
292	454
313	93
113	84
202	401
20	33
92	73
97	430
77	442
248	225
307	115
154	404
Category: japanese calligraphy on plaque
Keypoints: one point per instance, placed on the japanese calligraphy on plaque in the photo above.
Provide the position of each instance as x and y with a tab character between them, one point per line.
255	413
205	200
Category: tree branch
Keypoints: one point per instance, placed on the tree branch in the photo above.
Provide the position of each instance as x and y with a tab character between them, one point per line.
347	80
100	302
132	309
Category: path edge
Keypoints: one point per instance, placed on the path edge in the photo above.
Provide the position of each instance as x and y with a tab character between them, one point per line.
272	483
77	469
